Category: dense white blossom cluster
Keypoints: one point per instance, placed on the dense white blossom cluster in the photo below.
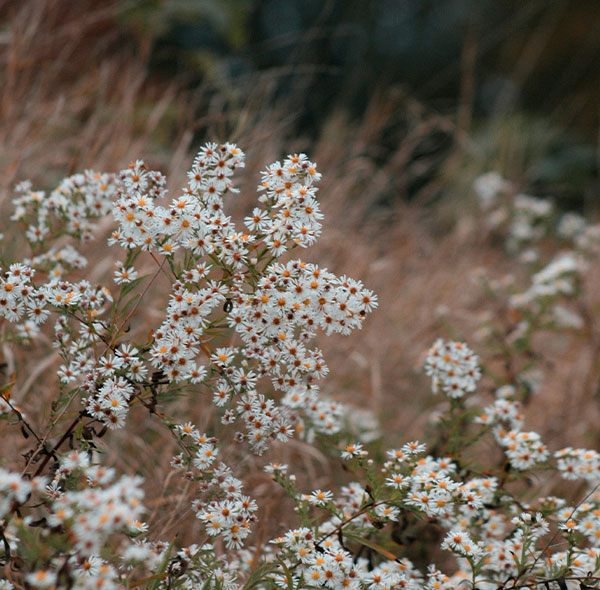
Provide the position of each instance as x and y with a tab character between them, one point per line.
222	276
558	278
527	225
579	464
241	325
491	542
275	308
76	202
526	220
452	367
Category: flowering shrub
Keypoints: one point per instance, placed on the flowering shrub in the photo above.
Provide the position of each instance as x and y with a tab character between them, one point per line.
240	326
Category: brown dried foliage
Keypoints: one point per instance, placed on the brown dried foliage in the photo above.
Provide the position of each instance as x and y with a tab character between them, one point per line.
75	92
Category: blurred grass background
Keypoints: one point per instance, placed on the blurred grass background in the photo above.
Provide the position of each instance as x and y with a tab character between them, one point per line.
402	104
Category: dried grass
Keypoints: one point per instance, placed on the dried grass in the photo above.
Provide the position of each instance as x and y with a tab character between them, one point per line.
75	93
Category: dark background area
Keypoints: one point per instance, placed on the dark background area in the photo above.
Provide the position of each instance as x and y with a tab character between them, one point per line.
486	64
435	92
538	55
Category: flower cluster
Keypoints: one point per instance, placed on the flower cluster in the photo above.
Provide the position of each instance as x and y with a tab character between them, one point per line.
482	530
452	367
325	563
523	449
99	510
17	295
291	211
579	464
240	326
558	278
275	308
525	220
76	202
505	413
489	187
223	509
14	490
460	543
92	515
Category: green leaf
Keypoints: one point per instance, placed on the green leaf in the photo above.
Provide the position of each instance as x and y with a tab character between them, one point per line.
132	254
154	584
129	287
372	545
259	575
79	430
288	574
130	303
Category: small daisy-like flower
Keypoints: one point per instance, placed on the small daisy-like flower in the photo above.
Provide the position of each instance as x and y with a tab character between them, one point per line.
397	481
205	455
91	566
413	448
187	429
125	275
353	450
568	526
320	498
42	579
276	468
460	542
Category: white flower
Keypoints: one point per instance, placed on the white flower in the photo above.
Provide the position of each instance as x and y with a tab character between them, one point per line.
42	578
353	450
452	367
125	275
